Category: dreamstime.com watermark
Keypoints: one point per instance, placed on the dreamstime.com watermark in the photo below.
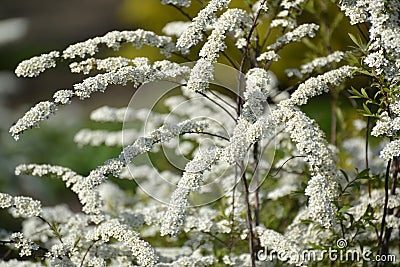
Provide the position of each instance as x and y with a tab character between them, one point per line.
340	254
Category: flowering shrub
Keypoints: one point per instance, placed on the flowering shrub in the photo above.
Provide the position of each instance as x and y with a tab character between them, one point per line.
253	172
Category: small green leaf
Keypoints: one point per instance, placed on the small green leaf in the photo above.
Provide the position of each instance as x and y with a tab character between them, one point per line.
344	208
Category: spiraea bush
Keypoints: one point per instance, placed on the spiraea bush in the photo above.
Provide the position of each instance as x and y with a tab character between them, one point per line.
250	178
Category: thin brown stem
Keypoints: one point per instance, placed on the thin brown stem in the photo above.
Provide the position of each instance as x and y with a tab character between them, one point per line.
388	231
223	100
385	207
334	118
249	219
232	217
256	180
86	253
366	153
218	104
210	134
181	11
269	30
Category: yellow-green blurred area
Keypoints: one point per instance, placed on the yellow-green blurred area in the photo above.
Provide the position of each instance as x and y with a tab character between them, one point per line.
50	25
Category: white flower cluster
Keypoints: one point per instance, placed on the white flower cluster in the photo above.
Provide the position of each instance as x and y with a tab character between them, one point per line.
113	40
231	20
26	246
271	240
195	259
137	75
176	28
194	32
183	3
315	86
258	87
63	97
391	150
376	201
146	72
395	105
268	56
33	117
140	249
355	10
90	184
287	17
246	132
202	72
34	66
108	64
103	137
161	135
294	36
310	141
316	64
21	206
190	181
80	185
386	126
383	34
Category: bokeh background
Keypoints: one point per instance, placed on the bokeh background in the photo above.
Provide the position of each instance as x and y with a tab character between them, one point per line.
29	28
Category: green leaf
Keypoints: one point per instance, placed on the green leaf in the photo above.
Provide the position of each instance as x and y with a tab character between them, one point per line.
364	93
344	208
367	110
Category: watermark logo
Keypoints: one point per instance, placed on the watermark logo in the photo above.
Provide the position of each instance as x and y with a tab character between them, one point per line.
339	253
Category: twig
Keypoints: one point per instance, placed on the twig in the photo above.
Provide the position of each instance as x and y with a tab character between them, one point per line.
86	253
249	219
223	100
385	207
211	134
366	153
218	104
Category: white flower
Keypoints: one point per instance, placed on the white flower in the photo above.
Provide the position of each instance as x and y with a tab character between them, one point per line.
33	117
140	249
258	87
315	86
321	62
176	28
25	245
271	240
63	96
6	201
191	179
136	75
391	150
114	39
34	66
103	137
202	72
21	206
83	187
183	3
310	141
268	56
294	36
193	34
384	126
